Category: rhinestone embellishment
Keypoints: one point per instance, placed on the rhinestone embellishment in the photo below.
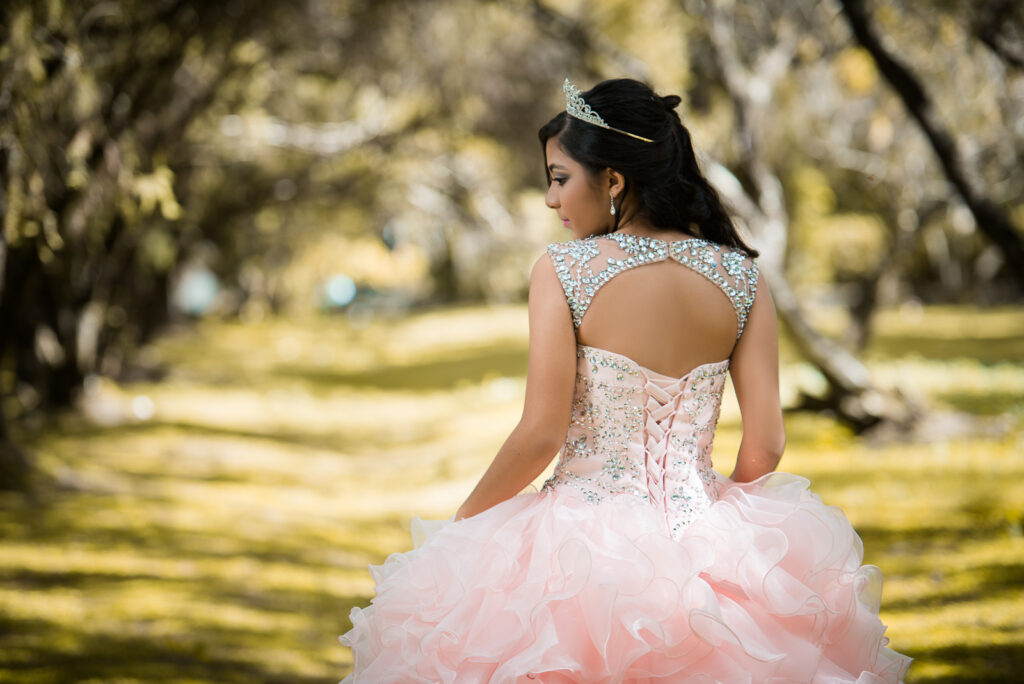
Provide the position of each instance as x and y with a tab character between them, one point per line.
632	435
582	274
633	432
577	107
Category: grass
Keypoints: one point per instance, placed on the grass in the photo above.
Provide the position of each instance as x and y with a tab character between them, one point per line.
224	537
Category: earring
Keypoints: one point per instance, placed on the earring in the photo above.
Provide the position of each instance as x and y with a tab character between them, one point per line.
613	205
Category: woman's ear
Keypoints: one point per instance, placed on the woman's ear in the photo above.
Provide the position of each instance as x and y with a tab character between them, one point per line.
616	183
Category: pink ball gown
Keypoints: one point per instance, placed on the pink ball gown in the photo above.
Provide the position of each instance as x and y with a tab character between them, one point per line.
636	562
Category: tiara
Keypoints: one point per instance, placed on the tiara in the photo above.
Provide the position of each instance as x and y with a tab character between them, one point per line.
577	107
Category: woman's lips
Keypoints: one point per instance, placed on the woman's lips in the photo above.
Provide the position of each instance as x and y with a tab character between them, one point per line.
565	222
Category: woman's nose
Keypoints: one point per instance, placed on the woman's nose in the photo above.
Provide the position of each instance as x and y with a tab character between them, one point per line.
550	199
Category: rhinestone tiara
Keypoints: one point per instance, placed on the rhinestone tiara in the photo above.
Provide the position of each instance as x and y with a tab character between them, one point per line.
577	108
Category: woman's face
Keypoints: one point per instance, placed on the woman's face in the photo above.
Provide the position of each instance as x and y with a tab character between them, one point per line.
582	205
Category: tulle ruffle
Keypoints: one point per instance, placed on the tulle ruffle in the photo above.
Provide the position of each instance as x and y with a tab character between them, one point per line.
767	587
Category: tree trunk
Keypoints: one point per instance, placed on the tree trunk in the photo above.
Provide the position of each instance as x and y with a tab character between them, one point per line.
989	216
853	397
15	466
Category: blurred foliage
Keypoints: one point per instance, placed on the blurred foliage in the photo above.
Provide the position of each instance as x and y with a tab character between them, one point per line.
393	141
215	526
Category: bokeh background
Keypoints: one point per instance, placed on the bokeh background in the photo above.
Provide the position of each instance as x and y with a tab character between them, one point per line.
262	279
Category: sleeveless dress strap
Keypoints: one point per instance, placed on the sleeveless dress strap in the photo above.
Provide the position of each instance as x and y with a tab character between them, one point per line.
583	270
735	273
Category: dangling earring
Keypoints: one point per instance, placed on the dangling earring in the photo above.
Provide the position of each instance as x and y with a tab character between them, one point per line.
613	205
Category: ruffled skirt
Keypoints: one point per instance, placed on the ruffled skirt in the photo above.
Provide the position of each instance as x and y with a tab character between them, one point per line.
767	586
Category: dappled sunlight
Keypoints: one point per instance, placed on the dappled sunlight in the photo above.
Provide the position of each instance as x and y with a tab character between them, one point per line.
245	246
225	535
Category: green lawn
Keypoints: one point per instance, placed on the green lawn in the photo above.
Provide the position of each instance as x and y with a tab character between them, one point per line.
224	537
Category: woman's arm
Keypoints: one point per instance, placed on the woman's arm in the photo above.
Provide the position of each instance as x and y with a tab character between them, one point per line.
550	382
755	375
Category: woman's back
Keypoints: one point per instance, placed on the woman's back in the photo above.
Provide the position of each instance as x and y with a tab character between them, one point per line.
657	321
670	304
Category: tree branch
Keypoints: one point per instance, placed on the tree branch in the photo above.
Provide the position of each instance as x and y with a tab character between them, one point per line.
852	393
989	27
586	40
988	215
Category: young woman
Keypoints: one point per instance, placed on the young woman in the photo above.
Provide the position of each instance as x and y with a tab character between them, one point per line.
636	562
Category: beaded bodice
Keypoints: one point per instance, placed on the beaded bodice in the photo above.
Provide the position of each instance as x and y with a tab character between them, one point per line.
633	431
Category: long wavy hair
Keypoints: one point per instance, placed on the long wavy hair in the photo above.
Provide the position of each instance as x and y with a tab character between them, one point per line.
663	175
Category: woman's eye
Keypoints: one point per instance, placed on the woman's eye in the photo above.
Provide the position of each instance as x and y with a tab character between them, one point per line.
560	180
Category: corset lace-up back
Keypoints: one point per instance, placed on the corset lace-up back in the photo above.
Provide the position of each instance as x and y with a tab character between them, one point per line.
632	430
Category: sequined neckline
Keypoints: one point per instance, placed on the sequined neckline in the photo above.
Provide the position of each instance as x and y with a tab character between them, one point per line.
582	271
618	237
724	363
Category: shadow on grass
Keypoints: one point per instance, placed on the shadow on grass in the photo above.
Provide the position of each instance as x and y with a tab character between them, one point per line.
344	444
316	603
987	349
925	537
158	649
198	655
977	664
989	582
469	367
990	403
359	540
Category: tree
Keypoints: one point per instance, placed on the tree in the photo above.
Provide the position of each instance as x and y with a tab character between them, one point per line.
989	216
94	102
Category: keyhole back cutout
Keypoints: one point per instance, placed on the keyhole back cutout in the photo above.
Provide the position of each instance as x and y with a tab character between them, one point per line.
664	316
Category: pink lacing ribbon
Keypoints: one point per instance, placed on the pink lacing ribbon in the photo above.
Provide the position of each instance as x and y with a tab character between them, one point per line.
659	412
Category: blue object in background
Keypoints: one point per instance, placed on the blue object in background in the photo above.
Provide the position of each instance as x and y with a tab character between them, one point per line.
196	291
341	290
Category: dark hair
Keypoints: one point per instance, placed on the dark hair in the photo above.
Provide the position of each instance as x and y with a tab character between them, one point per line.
663	175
